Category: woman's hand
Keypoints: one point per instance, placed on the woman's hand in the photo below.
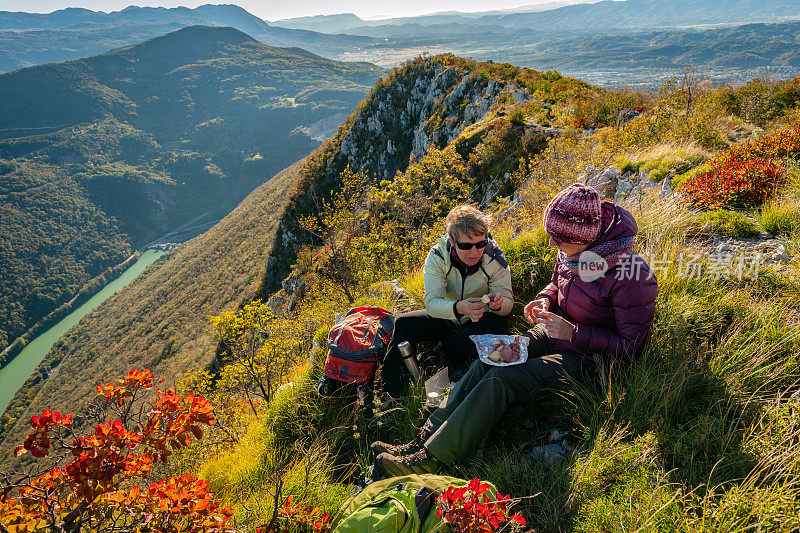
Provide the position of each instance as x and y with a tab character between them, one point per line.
534	308
495	301
555	326
471	307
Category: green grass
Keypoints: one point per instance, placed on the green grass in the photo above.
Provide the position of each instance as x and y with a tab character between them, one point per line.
781	217
666	160
683	177
727	223
620	486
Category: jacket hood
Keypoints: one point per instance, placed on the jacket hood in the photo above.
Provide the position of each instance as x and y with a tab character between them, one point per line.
617	222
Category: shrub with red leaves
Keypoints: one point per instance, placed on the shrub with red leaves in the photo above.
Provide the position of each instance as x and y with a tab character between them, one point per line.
91	491
745	176
470	509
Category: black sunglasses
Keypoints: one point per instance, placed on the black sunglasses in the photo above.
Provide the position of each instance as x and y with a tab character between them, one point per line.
470	245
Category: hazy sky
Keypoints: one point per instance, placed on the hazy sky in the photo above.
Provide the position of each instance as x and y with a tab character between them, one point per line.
272	9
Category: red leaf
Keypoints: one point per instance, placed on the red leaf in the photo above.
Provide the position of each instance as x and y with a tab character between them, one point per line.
518	519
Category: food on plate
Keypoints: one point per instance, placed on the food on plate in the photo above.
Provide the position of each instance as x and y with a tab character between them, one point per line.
510	353
485	299
506	350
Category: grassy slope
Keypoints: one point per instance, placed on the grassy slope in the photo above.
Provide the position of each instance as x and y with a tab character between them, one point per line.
694	438
159	320
698	436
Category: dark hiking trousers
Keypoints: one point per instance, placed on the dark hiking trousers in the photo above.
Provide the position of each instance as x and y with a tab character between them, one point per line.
481	398
417	326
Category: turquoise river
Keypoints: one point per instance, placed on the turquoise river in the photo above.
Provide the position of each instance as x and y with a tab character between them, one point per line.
14	374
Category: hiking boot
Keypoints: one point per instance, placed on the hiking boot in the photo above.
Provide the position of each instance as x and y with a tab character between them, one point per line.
378	447
420	462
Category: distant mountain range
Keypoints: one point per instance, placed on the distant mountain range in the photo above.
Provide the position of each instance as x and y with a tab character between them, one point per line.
102	155
741	47
604	42
28	39
583	17
650	37
342	22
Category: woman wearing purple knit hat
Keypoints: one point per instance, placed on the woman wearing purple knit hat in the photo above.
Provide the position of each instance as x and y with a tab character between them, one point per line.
598	309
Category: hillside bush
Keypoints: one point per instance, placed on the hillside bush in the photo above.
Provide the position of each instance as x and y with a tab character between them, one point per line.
761	100
746	175
101	488
596	108
665	160
504	149
260	351
560	164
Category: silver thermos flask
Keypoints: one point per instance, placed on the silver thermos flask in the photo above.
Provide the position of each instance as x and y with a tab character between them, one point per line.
409	360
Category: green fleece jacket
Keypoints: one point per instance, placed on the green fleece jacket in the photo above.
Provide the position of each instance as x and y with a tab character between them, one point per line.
445	285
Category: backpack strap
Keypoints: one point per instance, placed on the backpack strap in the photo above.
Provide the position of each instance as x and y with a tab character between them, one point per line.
495	253
424	501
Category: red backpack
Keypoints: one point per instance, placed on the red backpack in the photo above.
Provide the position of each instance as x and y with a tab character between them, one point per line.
356	345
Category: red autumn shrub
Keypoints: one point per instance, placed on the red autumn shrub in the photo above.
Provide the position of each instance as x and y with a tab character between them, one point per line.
470	509
736	180
102	487
747	175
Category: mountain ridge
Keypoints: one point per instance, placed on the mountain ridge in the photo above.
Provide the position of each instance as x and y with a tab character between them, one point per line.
62	31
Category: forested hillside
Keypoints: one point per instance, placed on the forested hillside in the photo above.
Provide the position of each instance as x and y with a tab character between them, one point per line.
102	155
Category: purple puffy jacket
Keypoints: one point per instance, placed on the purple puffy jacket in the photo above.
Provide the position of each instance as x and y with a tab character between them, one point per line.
614	314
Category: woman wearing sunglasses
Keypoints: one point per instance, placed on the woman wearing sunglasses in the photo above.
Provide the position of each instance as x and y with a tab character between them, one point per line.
597	311
463	266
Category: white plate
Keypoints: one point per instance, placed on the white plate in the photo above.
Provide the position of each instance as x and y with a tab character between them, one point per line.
484	345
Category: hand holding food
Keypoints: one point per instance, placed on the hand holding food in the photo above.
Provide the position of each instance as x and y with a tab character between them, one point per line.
471	307
533	310
494	300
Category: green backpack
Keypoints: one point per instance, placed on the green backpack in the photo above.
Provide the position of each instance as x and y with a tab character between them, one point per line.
405	504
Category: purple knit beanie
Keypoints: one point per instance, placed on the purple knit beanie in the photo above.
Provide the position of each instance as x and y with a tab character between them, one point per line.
574	215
